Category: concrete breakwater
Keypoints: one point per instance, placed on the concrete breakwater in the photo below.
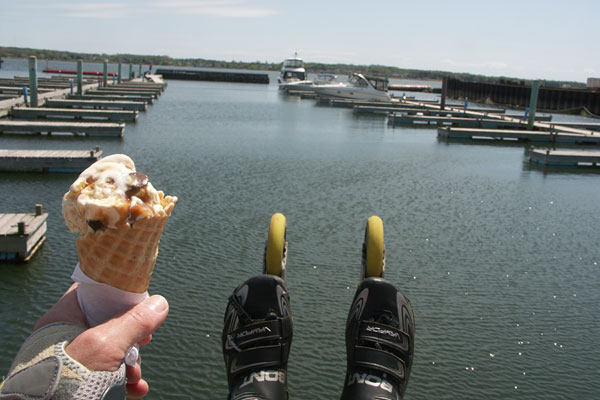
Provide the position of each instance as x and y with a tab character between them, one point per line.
220	76
549	99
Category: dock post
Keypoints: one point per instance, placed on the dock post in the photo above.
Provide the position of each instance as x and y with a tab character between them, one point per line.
71	86
25	97
140	71
130	71
33	81
444	93
533	98
105	74
39	209
119	73
21	228
79	77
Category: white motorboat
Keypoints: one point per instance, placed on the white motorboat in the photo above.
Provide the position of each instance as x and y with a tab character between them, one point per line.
292	70
307	85
359	87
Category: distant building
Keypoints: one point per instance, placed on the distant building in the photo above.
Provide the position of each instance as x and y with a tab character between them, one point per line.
593	82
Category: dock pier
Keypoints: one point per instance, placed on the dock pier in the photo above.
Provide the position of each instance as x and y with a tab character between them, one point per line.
21	235
48	160
570	158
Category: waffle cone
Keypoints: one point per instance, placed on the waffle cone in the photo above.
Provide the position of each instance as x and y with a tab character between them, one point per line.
123	258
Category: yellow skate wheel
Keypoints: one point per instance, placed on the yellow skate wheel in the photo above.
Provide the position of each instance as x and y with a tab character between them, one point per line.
275	254
374	249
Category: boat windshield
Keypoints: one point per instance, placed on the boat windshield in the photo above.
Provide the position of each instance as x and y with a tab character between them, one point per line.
293	63
293	75
357	81
379	83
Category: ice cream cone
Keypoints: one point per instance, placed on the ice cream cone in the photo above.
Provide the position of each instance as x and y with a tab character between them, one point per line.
124	257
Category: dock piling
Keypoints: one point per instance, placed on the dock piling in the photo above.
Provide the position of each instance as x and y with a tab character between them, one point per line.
533	98
119	73
130	71
79	77
33	81
25	97
105	74
39	209
444	92
21	228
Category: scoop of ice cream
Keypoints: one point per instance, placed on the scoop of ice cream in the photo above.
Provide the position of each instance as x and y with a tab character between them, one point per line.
111	194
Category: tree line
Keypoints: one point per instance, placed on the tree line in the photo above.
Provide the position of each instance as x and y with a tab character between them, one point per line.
380	70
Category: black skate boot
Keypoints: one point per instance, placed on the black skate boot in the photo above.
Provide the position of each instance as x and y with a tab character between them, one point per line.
257	337
379	342
379	330
257	333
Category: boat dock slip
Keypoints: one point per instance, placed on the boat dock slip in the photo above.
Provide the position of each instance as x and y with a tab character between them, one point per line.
352	103
73	113
565	157
148	100
487	123
88	128
411	110
48	160
21	235
138	88
219	76
110	91
106	104
519	135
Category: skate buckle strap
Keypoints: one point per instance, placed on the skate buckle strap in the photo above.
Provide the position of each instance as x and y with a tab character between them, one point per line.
245	345
380	360
384	334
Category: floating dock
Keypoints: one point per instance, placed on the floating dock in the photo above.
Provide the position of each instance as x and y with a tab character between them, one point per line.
21	235
86	128
518	135
48	160
219	76
104	104
143	99
73	113
571	158
466	122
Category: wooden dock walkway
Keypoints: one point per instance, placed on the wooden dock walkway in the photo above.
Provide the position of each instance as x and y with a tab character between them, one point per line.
74	113
519	135
110	91
48	160
21	235
104	104
466	122
148	100
86	128
571	158
410	110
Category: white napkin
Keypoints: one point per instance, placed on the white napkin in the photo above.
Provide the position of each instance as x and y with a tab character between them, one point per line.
101	302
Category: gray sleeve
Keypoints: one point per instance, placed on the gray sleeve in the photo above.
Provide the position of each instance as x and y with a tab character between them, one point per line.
42	370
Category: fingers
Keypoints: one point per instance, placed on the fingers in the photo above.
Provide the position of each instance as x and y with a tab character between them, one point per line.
103	347
138	323
66	309
137	390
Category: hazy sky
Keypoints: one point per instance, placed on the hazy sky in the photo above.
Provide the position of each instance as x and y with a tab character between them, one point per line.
549	39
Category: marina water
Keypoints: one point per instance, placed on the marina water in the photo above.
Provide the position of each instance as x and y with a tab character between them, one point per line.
500	259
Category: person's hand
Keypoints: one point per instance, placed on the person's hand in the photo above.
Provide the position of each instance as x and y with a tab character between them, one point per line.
103	347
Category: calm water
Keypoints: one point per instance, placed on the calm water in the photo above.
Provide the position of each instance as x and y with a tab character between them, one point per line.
500	260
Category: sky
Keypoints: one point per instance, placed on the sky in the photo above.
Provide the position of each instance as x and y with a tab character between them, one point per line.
551	39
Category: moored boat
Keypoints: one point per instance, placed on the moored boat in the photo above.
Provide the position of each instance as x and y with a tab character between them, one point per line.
359	87
292	70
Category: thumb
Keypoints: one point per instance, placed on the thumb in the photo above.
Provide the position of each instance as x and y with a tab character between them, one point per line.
103	347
